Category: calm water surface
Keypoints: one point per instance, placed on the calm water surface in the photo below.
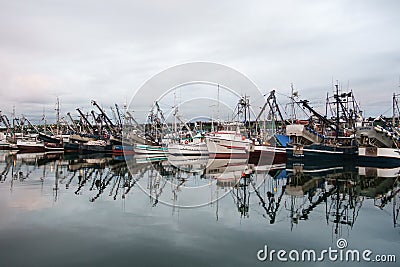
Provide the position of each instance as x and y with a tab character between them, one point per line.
70	210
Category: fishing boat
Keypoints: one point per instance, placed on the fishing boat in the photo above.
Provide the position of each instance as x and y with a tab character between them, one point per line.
379	141
271	151
308	143
147	140
320	138
53	141
270	141
267	154
97	146
30	146
342	149
232	139
189	146
378	146
189	149
227	144
75	140
378	156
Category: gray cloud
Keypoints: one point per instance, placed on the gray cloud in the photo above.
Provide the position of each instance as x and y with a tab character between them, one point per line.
104	50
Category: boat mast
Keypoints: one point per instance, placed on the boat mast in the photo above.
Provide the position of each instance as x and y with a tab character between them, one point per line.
292	104
58	116
326	104
395	107
337	110
13	124
247	111
119	116
44	119
175	114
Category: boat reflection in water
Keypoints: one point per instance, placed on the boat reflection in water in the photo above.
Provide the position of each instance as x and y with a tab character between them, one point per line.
293	193
341	190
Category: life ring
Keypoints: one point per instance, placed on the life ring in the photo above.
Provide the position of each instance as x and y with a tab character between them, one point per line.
186	142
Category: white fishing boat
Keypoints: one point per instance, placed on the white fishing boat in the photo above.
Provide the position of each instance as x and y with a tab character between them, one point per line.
30	146
189	146
228	144
374	135
188	149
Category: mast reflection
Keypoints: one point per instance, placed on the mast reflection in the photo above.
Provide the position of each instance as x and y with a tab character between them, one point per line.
294	193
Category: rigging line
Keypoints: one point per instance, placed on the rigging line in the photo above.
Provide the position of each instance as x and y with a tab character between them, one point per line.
389	109
261	100
281	106
301	108
282	94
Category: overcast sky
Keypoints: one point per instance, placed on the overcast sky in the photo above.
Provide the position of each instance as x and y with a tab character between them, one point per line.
105	50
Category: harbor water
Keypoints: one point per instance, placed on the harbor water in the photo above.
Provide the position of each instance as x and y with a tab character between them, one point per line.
100	210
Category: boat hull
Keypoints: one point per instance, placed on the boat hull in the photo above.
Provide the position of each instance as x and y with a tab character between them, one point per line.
49	139
31	148
122	150
225	146
150	150
320	152
4	146
267	155
378	157
71	147
188	149
86	149
53	147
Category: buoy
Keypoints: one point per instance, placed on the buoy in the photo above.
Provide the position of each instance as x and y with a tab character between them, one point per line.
186	142
243	138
